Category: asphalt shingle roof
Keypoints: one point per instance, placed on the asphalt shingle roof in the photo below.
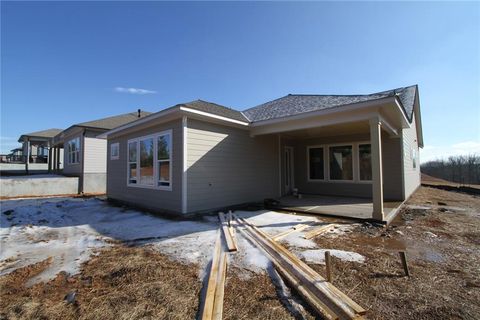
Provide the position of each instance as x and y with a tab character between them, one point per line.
113	122
294	104
216	109
48	133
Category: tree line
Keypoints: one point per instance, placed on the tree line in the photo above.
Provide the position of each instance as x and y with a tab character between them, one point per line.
461	169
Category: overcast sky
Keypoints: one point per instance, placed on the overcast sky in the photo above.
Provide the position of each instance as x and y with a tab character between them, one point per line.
68	62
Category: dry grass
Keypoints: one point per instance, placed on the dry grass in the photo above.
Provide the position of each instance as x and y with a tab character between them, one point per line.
119	283
445	274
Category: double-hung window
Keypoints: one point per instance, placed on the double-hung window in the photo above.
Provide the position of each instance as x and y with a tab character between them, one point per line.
149	161
365	161
73	151
341	162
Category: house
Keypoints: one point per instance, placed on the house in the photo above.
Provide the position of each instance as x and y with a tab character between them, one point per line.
85	154
201	156
35	148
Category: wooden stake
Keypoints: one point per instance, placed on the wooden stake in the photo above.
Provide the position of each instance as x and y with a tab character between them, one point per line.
328	265
403	257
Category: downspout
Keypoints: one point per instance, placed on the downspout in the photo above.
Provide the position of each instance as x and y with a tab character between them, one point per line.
82	172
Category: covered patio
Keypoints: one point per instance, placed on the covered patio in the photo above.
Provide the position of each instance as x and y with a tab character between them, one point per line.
344	163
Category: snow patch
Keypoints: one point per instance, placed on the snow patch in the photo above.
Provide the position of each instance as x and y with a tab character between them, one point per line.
318	256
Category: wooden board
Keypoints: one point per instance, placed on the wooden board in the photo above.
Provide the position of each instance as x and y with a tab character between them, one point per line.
298	227
228	233
213	303
317	231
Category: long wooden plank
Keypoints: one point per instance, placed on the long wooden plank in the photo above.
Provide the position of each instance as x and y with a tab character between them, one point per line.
229	238
298	227
304	267
208	303
317	231
341	302
220	288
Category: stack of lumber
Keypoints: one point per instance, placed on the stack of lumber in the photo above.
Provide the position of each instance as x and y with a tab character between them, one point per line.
322	296
213	303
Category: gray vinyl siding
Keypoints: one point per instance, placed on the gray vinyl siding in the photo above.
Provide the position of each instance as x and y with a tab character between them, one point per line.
95	156
391	154
411	175
225	166
154	199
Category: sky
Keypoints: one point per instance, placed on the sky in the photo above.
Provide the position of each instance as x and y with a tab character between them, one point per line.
67	62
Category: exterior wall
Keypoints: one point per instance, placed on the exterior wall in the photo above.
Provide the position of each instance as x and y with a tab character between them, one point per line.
73	169
411	175
95	165
148	198
225	166
391	154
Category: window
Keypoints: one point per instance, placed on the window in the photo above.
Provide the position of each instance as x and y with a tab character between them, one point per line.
152	167
73	147
146	162
316	164
341	163
132	162
114	151
365	161
163	159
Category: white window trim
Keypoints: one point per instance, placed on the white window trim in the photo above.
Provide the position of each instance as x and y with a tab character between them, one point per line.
155	161
70	152
112	157
326	162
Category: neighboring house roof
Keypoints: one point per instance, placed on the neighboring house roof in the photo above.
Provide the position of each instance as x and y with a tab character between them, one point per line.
294	104
113	122
44	134
216	109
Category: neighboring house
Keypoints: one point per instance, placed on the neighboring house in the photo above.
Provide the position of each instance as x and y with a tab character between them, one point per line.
36	146
85	155
200	156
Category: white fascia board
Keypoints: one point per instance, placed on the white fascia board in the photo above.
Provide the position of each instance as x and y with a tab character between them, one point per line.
214	116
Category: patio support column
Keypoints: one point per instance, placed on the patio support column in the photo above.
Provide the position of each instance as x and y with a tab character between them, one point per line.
377	171
54	159
49	159
58	159
28	156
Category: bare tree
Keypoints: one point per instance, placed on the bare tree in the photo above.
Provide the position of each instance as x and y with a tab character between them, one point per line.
461	169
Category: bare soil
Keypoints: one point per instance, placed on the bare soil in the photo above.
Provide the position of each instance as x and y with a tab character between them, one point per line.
121	282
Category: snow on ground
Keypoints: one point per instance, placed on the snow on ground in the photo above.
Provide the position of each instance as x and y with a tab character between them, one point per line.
318	256
70	229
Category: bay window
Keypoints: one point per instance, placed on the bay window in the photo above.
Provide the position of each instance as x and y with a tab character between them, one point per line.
152	167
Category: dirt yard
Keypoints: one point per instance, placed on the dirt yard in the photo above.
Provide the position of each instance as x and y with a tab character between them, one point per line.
127	279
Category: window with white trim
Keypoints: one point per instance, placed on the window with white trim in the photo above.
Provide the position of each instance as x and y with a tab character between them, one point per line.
149	161
341	163
114	151
316	163
73	151
365	161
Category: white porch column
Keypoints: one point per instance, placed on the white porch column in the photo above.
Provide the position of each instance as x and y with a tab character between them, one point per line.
377	171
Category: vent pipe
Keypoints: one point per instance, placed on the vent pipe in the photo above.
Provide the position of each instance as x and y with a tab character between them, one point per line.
139	111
